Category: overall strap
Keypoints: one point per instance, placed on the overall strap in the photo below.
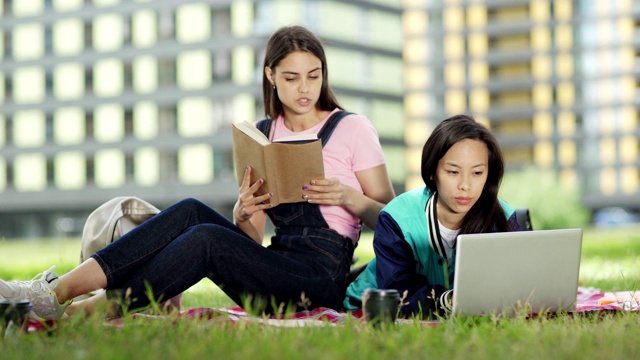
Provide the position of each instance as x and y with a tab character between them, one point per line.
264	125
324	134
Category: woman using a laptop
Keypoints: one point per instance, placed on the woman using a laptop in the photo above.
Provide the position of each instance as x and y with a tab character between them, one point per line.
415	238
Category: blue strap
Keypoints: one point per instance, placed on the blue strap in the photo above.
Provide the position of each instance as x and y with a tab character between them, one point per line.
264	126
330	125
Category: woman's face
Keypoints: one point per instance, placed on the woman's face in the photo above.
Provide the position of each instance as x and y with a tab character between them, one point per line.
298	80
460	178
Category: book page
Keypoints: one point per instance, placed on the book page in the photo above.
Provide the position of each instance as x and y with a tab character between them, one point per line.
253	132
298	138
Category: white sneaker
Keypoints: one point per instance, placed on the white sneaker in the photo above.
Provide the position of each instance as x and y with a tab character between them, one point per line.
39	291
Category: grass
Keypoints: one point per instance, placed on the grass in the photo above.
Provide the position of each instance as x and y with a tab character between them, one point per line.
610	262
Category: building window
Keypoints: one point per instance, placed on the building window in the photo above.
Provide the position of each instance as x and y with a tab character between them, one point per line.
90	171
88	125
9	175
48	39
129	168
8	89
128	75
193	23
144	25
49	128
221	22
167	117
88	35
107	32
166	25
50	171
190	67
144	72
128	122
195	164
166	72
222	65
88	80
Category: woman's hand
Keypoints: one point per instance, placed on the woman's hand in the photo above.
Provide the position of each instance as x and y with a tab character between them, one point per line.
247	203
248	212
376	187
326	192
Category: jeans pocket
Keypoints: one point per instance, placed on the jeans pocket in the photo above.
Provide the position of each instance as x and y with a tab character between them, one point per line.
334	254
288	212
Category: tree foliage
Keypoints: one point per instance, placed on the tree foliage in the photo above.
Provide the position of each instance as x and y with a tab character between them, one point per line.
552	205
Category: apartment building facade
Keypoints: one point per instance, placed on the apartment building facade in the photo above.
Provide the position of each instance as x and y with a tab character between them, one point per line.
556	81
107	98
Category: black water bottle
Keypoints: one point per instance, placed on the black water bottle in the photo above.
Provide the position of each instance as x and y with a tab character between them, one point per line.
12	315
380	306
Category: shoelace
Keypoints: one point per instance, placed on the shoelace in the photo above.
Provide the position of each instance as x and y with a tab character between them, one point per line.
41	276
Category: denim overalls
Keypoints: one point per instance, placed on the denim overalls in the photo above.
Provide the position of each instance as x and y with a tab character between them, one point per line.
301	230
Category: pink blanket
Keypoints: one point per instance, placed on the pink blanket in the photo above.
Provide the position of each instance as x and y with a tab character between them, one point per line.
588	300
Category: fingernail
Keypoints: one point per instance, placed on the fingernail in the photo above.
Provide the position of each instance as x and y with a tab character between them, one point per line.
313	182
305	187
270	194
309	200
270	205
304	196
260	181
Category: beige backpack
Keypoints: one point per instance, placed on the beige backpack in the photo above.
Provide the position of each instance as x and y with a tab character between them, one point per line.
113	219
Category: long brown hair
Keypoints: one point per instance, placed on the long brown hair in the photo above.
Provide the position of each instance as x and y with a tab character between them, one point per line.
283	42
486	215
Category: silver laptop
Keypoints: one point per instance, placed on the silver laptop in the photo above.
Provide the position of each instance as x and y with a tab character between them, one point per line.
514	273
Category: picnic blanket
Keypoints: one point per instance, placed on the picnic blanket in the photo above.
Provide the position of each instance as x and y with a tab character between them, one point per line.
591	299
588	300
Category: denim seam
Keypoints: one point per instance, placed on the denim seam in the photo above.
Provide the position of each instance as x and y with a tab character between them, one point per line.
140	258
105	268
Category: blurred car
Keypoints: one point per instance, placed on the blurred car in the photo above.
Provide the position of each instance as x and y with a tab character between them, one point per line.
614	217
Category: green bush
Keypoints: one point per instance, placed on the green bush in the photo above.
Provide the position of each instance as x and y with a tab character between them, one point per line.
551	204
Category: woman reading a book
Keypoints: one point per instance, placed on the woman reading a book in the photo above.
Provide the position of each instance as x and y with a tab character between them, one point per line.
309	257
415	238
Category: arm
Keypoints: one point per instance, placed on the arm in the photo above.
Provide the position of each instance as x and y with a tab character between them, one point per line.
363	187
396	269
248	212
376	186
378	191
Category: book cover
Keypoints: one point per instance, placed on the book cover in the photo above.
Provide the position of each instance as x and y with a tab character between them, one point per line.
286	164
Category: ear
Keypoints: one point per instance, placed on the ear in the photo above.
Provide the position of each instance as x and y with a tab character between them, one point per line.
269	74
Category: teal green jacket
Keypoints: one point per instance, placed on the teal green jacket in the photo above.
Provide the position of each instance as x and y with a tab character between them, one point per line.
405	259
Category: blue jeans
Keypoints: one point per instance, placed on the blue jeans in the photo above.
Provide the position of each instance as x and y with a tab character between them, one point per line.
190	241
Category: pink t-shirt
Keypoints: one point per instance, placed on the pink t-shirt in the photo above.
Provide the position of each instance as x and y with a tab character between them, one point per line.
353	146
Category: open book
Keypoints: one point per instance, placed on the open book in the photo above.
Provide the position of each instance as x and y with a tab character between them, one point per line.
286	164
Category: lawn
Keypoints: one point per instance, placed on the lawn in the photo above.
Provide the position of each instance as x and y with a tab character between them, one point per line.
610	261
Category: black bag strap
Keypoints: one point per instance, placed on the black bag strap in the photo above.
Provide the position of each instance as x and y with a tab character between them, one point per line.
324	134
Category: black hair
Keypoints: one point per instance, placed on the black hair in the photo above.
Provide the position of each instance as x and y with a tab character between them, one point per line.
486	215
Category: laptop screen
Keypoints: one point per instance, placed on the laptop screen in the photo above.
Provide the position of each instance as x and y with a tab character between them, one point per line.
513	272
